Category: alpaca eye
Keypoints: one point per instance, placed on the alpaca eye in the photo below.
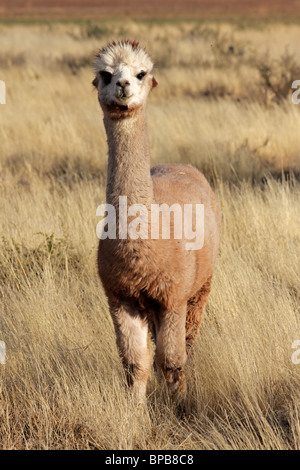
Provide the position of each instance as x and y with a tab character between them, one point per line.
141	75
106	77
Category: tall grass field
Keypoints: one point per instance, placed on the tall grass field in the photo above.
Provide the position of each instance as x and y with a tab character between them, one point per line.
224	104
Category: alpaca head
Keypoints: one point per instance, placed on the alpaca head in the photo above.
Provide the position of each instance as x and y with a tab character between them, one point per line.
123	78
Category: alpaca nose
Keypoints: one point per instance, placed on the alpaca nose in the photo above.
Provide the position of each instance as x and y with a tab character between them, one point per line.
123	83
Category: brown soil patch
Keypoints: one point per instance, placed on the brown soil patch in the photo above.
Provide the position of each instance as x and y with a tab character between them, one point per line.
155	8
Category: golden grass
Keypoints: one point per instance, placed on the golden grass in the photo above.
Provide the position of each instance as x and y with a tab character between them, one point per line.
63	386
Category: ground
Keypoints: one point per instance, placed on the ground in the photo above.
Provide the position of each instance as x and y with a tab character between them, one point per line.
155	8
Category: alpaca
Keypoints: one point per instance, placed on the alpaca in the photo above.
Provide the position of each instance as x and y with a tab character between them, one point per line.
153	285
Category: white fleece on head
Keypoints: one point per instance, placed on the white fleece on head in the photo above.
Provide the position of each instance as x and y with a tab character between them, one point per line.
116	55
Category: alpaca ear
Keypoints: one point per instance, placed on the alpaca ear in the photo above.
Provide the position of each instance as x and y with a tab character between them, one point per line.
154	82
95	82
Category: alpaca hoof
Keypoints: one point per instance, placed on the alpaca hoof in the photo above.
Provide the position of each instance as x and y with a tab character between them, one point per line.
176	382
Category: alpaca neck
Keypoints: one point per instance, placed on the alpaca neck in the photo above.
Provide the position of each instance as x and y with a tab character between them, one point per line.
128	172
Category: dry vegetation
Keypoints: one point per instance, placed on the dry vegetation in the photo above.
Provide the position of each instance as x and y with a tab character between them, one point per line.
224	104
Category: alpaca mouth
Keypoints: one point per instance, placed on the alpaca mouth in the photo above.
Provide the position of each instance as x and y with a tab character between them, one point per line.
118	108
120	105
123	97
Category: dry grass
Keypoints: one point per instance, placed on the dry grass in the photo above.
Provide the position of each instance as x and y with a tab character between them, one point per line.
62	386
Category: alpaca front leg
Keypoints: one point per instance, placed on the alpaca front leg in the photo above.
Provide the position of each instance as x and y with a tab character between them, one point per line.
133	346
171	351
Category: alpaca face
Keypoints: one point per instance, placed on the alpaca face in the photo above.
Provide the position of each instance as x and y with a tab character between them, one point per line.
123	77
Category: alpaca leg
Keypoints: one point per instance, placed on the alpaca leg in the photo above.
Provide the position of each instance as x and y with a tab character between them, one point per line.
195	309
133	346
171	351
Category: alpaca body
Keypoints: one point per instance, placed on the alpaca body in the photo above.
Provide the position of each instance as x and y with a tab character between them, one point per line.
152	285
129	269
